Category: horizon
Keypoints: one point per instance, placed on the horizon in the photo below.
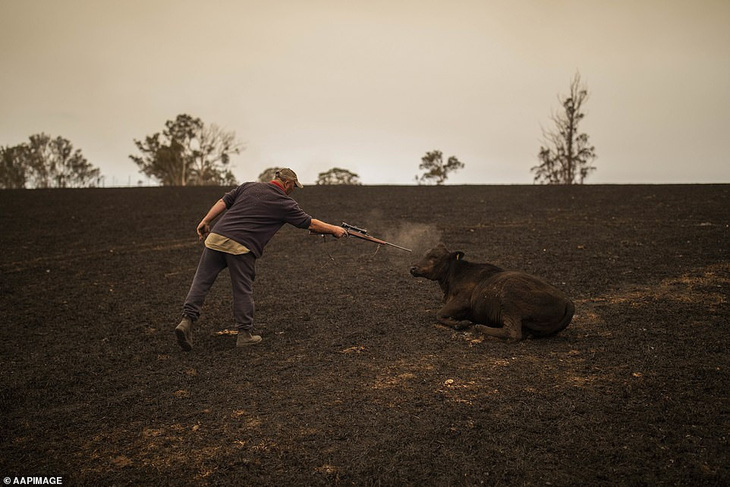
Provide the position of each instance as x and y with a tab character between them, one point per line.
380	185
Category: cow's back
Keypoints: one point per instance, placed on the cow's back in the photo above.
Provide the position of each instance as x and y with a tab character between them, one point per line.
540	306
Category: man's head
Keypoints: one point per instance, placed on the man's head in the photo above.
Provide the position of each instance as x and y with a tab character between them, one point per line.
289	178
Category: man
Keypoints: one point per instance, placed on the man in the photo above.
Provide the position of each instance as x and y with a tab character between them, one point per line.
255	212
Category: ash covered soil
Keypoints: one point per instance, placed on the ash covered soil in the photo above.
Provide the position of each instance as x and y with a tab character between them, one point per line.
354	383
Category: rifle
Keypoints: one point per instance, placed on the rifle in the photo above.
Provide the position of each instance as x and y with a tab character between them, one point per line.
361	233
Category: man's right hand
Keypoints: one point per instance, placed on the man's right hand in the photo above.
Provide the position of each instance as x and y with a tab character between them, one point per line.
203	230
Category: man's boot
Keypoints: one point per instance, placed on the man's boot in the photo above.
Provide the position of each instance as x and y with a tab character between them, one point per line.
184	333
245	338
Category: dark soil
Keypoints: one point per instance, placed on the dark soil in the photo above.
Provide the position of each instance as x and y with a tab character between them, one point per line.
354	383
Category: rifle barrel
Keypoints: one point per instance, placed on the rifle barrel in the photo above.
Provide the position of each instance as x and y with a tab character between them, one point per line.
398	247
375	240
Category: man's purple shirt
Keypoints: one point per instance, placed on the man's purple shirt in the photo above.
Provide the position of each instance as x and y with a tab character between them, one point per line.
255	212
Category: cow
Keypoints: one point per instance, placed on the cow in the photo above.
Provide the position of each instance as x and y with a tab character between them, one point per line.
500	303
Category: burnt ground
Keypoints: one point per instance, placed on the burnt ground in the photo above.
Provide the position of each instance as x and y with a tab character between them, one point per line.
354	384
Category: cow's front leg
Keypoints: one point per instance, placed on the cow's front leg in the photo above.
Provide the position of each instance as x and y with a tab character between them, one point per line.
454	315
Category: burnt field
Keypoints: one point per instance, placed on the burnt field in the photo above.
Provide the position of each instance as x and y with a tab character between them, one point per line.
354	383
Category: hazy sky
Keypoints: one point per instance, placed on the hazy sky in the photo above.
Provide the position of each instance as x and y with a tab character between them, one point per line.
373	85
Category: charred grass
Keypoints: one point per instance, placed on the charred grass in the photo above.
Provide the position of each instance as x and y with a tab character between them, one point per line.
354	384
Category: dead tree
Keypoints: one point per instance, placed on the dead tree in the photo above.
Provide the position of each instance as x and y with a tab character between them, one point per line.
567	155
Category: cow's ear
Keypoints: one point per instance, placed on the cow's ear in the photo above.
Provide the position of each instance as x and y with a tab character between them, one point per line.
458	255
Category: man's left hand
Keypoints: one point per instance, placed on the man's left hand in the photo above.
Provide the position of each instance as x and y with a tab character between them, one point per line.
339	232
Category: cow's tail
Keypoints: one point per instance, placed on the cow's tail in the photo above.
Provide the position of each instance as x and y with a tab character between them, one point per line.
562	325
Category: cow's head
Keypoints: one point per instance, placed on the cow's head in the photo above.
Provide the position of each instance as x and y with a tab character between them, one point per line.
435	263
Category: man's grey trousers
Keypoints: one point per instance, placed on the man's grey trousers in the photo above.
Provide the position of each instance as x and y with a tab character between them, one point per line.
242	269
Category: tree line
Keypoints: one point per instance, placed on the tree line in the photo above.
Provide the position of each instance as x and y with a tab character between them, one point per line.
46	162
188	152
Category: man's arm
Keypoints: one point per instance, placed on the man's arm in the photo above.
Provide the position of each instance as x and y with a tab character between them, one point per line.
318	226
204	225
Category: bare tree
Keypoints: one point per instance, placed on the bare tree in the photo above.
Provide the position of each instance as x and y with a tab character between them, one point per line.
337	175
214	154
435	169
566	156
188	153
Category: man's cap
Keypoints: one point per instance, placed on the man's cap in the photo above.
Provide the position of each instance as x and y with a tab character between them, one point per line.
288	174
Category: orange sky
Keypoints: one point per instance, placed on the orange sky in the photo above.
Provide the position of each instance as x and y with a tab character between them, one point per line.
371	86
